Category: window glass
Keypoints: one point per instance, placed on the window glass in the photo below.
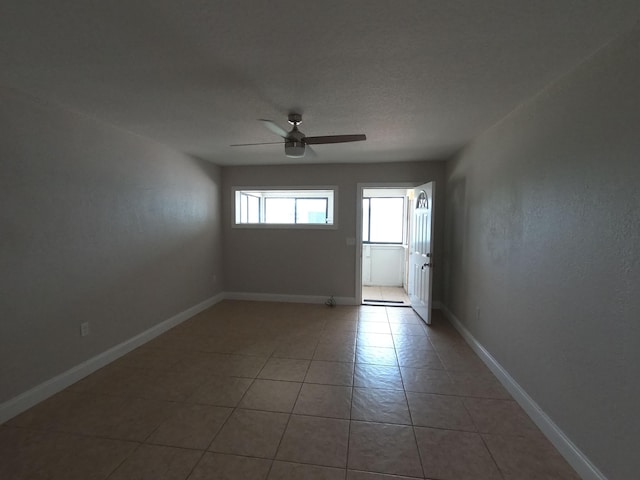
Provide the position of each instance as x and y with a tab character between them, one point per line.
385	220
311	210
280	210
253	215
243	208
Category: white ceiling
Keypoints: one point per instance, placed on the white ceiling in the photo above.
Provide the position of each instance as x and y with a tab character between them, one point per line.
420	78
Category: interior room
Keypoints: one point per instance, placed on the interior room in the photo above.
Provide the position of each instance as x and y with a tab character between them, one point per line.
190	217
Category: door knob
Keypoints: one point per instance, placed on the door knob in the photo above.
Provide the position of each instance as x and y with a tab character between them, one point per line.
425	265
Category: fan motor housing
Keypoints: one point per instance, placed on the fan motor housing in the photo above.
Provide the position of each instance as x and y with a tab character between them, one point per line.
293	149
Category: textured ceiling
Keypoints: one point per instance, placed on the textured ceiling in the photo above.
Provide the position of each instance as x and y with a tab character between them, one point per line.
420	78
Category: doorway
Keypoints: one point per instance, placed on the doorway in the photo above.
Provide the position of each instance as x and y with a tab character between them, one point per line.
383	244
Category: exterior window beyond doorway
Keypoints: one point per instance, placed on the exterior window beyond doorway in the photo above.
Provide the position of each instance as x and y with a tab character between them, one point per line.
382	220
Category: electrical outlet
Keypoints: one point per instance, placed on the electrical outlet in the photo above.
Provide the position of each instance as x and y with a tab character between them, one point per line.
84	329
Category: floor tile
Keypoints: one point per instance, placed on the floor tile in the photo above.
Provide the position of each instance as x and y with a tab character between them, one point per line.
298	471
116	417
334	325
374	327
260	348
136	416
418	358
439	411
528	458
216	466
407	329
452	455
149	358
382	448
339	337
225	364
289	369
221	391
404	317
374	340
299	350
462	359
152	462
58	456
330	373
316	441
377	405
502	417
173	386
130	382
427	380
24	451
51	412
376	355
241	366
375	314
252	433
403	342
335	353
377	376
447	340
272	395
395	294
191	426
357	475
472	384
324	401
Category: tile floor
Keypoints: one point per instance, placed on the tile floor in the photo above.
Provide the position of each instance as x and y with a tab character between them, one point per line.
373	295
255	391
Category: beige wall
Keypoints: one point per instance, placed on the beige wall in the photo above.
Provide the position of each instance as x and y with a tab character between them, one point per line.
312	262
95	225
543	235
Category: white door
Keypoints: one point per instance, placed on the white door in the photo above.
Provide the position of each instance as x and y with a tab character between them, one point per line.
421	250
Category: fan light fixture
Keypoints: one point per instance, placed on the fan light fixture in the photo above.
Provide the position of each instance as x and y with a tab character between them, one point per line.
294	149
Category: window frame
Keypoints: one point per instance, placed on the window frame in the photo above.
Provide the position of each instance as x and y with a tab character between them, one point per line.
321	192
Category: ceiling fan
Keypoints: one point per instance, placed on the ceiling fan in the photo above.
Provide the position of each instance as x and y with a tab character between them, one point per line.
295	142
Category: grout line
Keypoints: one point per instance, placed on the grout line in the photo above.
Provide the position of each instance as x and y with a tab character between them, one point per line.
406	399
236	407
284	432
491	455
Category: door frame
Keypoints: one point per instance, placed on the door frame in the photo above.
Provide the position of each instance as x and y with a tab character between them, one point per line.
360	189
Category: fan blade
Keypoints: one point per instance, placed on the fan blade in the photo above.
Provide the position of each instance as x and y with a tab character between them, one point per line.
250	144
275	128
334	139
310	151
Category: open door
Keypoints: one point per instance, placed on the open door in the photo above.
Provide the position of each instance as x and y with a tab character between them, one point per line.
421	251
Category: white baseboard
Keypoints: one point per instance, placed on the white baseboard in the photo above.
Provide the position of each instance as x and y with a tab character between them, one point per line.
272	297
572	454
37	394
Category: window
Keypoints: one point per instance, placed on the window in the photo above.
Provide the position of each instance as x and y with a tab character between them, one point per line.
284	207
382	219
250	208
